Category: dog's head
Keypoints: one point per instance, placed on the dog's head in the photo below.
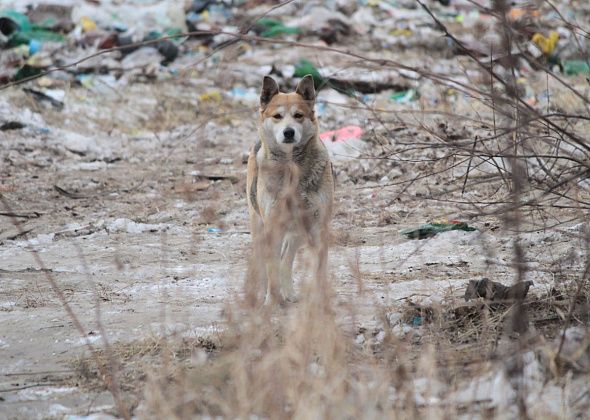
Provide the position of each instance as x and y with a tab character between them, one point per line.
287	120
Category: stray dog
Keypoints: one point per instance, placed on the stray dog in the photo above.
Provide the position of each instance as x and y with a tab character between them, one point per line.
290	188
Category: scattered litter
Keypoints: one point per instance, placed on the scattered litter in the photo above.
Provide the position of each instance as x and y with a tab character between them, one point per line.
404	96
305	67
247	95
429	230
344	143
417	321
19	30
547	45
575	67
350	132
87	24
271	28
142	58
99	83
53	17
520	13
214	230
54	97
213	95
166	47
11	125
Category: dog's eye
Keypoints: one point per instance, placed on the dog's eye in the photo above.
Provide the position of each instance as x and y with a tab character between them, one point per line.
277	116
298	115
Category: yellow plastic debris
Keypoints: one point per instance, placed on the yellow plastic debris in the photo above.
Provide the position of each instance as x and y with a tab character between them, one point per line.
547	45
45	82
401	32
214	95
87	24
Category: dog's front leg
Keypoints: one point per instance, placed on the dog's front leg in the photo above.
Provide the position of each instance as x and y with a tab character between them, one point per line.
289	248
272	251
273	291
319	249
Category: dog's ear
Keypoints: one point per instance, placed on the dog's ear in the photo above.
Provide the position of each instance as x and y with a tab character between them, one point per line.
305	88
269	89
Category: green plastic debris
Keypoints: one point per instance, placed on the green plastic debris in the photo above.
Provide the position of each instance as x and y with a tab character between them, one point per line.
11	21
19	30
174	31
305	67
575	67
429	230
273	28
151	35
34	34
404	96
27	71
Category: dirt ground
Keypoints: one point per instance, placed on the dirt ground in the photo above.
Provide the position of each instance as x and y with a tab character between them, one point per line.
133	233
133	196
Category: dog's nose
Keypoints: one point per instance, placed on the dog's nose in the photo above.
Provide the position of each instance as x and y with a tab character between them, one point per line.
289	133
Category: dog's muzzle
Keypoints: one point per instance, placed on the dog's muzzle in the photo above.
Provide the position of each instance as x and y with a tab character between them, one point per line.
289	135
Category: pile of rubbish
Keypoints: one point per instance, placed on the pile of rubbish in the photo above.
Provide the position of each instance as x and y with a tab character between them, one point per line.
160	39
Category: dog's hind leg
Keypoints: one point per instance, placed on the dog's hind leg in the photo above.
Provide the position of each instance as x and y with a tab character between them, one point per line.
273	290
256	282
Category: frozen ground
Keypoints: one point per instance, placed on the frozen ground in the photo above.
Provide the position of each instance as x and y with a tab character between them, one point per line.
136	239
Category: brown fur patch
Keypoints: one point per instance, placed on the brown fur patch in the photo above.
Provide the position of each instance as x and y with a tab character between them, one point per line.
287	100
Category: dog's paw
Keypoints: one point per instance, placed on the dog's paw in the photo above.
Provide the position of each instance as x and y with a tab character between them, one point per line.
275	300
292	298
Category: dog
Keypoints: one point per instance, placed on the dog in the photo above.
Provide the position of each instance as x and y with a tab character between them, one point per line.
290	188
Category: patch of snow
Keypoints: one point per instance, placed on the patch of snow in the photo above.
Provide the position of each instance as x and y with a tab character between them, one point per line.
57	410
493	388
78	143
427	391
7	305
97	165
123	225
89	339
41	239
44	393
95	416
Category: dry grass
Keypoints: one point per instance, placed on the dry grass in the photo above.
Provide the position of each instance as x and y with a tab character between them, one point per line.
301	362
